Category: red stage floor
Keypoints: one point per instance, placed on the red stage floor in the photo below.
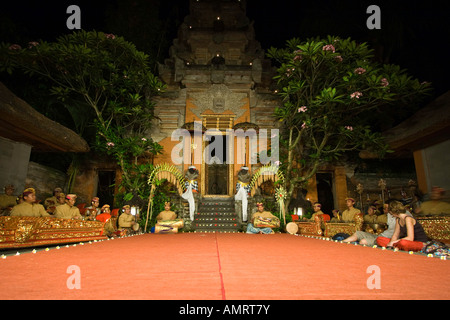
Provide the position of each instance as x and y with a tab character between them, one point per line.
222	266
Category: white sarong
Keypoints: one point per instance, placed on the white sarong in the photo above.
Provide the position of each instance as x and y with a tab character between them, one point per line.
242	195
189	196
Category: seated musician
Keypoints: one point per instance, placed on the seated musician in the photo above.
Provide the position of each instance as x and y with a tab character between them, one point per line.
372	215
60	200
167	214
262	217
7	200
53	199
108	220
126	220
317	207
29	207
336	216
167	221
68	210
349	214
93	210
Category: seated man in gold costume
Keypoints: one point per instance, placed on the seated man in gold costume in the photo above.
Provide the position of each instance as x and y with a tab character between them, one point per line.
7	200
317	207
51	201
262	221
127	221
167	221
349	214
29	207
336	216
60	200
372	215
93	210
68	210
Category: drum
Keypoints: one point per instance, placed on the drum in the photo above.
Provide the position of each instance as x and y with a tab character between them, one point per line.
260	222
292	228
177	223
135	227
164	229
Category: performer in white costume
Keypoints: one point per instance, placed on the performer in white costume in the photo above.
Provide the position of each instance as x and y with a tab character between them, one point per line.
191	186
243	189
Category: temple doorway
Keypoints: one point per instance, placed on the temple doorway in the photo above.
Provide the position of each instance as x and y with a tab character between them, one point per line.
106	186
325	194
217	170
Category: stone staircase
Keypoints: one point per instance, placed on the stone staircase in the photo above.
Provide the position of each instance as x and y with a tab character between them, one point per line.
216	215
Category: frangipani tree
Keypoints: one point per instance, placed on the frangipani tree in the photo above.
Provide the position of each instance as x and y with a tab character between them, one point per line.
329	89
107	74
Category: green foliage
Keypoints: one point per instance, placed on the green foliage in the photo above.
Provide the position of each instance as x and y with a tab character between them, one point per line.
332	92
111	78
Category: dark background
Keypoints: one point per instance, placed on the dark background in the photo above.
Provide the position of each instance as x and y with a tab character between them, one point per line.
414	34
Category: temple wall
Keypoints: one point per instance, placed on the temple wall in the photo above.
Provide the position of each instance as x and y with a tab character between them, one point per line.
14	158
44	180
435	167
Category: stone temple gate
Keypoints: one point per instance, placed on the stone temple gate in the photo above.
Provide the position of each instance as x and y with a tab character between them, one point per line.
216	75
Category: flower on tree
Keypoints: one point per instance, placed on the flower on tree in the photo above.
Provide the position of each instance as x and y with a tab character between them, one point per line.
360	70
302	109
329	47
350	128
15	47
356	95
32	44
110	144
110	36
384	82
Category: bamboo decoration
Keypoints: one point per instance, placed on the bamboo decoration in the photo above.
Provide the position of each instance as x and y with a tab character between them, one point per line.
265	173
161	172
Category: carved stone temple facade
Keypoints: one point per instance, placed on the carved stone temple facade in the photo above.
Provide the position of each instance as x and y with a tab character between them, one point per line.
218	76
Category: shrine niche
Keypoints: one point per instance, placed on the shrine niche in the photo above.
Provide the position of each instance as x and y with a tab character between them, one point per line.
218	98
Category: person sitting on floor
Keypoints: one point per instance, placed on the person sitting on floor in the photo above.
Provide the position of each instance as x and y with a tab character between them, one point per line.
435	205
317	207
167	221
336	216
167	214
372	215
126	220
68	210
349	214
60	200
262	221
369	239
93	210
408	234
29	207
51	201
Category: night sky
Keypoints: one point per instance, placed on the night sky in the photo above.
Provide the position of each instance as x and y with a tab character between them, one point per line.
414	34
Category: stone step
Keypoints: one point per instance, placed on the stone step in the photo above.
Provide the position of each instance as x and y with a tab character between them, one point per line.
216	215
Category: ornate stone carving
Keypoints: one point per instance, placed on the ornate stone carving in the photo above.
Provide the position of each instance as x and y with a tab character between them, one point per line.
218	98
